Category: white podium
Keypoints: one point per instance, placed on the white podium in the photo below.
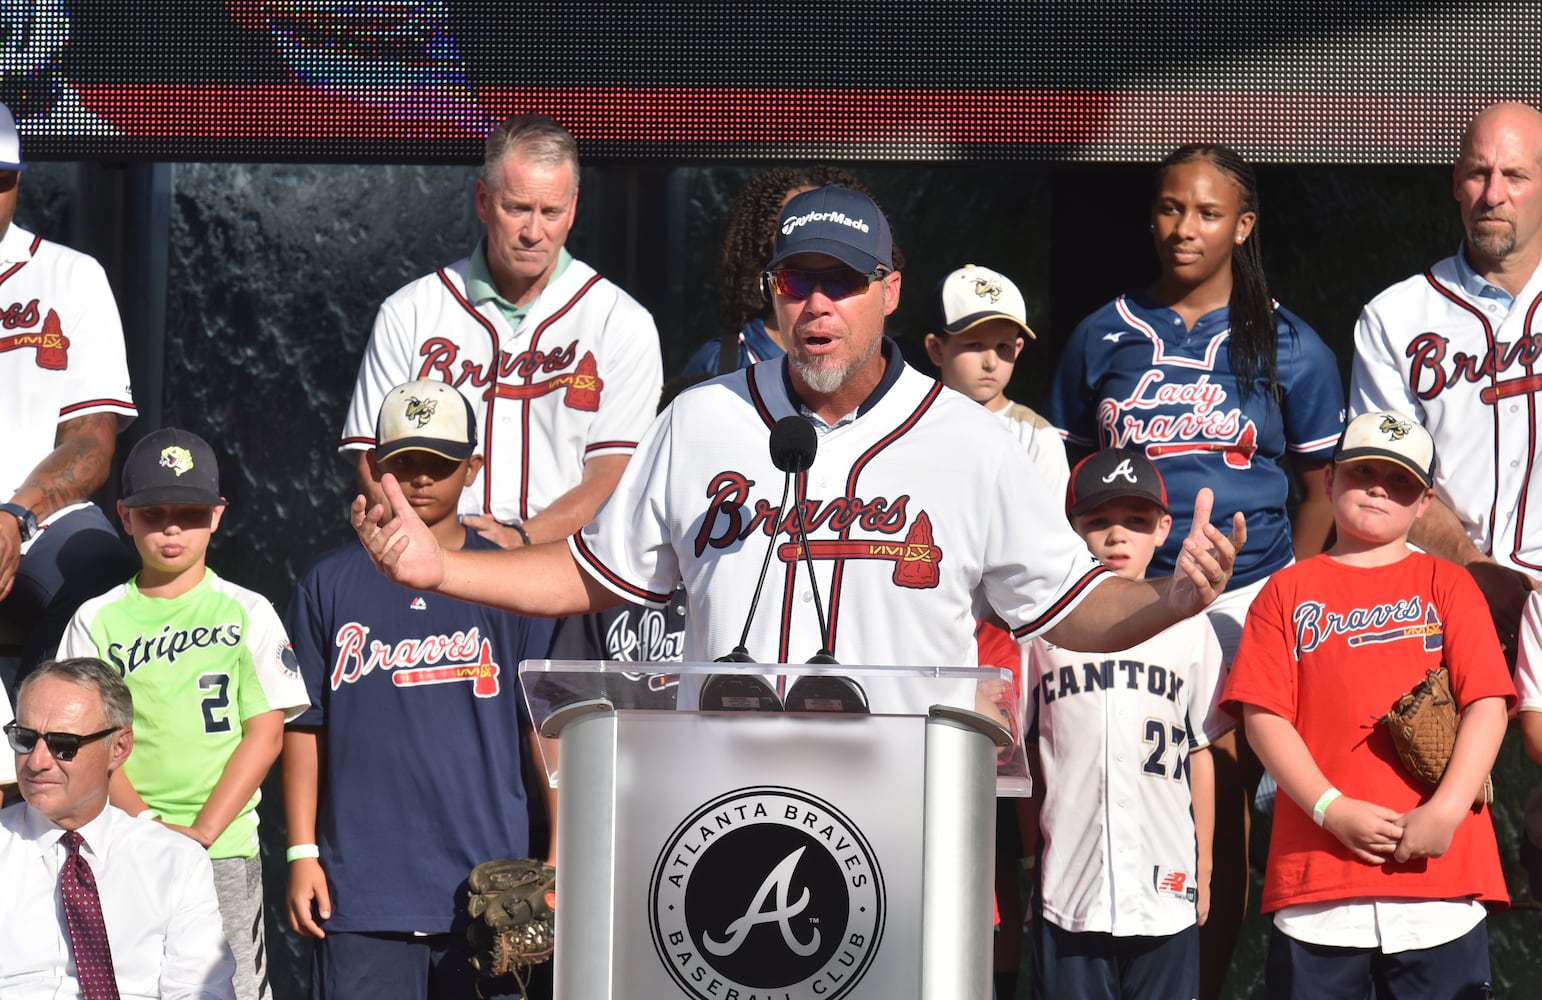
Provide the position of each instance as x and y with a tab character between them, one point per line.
794	855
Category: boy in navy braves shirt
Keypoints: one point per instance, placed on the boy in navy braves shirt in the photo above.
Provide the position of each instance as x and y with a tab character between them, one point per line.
416	717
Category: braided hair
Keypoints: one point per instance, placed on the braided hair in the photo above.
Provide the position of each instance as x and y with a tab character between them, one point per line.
750	231
1254	343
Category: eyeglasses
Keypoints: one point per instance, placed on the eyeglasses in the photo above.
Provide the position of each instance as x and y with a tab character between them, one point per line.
63	746
838	282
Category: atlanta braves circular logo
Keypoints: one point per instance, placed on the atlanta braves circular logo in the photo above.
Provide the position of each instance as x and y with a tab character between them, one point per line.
766	889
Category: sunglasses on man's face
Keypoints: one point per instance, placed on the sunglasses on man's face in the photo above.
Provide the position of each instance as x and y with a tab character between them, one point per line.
63	746
837	282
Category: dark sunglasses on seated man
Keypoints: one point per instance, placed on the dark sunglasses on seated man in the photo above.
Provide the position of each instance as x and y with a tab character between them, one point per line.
63	746
837	282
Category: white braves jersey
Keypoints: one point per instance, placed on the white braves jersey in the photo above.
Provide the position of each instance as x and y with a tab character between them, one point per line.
61	349
1042	441
1114	733
1528	658
921	511
1472	375
579	378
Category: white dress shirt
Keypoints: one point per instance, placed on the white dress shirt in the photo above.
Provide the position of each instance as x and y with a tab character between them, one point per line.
157	891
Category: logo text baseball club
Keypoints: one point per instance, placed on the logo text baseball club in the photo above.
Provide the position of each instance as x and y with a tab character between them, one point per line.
766	894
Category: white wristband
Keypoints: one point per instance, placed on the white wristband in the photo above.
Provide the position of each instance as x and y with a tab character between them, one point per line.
299	851
1320	810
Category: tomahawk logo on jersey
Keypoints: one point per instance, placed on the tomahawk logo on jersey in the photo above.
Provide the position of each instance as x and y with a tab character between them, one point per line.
903	579
577	378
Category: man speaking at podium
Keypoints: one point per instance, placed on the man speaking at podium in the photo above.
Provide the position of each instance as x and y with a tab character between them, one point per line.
919	510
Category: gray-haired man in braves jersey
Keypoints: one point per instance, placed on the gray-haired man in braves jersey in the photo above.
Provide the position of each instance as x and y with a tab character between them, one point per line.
562	366
923	509
1460	347
64	378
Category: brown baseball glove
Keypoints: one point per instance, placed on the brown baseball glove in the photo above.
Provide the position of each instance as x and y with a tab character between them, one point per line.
511	906
1423	726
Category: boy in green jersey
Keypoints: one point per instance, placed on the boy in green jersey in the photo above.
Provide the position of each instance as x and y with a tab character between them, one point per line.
212	674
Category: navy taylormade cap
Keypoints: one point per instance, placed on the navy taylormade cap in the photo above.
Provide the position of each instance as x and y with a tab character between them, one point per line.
171	466
839	223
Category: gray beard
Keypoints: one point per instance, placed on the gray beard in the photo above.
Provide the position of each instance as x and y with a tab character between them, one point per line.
1496	247
827	378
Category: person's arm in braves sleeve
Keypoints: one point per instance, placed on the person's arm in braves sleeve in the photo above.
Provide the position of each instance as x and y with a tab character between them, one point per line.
1119	613
1370	831
565	515
75	469
1428	828
302	782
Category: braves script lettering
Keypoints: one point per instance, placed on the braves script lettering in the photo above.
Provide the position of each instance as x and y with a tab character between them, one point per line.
726	522
442	360
1315	624
19	314
358	655
1201	417
1430	373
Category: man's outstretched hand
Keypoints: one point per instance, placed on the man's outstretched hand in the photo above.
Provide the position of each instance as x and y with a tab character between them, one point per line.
1204	566
402	547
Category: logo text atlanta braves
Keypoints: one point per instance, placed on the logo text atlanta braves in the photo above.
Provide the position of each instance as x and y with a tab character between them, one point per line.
766	893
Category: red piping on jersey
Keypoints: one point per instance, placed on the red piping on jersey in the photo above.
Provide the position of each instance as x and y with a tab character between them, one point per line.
87	404
1493	378
37	241
492	397
1531	455
526	404
857	468
604	572
1065	601
759	401
604	445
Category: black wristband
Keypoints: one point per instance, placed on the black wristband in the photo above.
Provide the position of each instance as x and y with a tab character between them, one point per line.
524	535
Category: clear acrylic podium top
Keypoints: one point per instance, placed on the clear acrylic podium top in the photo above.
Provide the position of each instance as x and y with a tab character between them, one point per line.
837	691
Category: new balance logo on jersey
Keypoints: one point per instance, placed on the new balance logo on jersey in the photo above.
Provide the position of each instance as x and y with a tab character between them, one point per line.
167	645
1123	471
418	604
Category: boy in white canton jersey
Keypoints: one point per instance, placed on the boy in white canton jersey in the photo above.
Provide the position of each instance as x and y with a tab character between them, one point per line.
1122	771
213	679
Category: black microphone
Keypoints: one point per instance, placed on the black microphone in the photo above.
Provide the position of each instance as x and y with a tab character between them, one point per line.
793	446
799	458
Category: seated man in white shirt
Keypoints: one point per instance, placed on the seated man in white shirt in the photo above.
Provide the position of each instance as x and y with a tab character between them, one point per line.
154	889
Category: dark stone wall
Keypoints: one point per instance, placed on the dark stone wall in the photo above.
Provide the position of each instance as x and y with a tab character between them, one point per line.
275	272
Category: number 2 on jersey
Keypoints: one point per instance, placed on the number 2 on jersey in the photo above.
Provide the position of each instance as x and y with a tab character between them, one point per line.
216	702
1157	736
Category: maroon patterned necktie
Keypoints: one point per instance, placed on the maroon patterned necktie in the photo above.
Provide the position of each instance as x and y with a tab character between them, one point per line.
83	917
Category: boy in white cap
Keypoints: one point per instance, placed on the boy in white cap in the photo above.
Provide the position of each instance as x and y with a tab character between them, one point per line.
1373	876
212	674
975	340
410	690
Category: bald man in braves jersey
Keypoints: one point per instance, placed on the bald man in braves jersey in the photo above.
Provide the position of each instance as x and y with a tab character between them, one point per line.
1460	348
65	382
923	510
562	366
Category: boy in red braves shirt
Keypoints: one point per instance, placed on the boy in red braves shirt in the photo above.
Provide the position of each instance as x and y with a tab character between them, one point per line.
1372	877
